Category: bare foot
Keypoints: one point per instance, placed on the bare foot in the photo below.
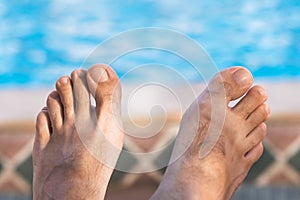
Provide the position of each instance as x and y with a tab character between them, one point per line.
73	139
238	147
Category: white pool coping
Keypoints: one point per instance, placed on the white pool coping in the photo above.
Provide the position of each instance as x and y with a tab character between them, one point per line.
24	104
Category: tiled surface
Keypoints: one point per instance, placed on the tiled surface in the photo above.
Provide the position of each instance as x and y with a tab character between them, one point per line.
283	143
15	197
279	165
25	170
1	167
12	143
258	168
282	136
15	151
295	161
9	186
270	193
142	191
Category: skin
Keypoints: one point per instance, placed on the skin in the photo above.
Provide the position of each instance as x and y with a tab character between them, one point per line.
77	145
219	173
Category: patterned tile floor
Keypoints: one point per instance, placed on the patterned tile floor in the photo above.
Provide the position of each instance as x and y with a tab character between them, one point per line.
15	153
279	166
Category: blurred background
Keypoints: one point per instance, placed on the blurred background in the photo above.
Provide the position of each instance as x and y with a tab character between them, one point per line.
43	40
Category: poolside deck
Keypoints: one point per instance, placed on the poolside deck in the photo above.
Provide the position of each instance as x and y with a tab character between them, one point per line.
275	176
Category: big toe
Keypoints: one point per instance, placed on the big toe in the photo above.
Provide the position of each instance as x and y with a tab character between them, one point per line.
231	83
228	85
104	86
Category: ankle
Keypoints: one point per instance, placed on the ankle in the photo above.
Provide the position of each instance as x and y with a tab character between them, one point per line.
190	182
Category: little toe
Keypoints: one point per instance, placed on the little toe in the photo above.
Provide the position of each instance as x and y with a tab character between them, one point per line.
254	154
104	85
253	99
64	89
255	137
43	130
233	81
82	101
55	111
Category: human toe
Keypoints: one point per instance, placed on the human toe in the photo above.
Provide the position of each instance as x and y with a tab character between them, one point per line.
254	154
232	83
64	89
258	116
255	137
43	129
55	111
81	92
104	85
252	100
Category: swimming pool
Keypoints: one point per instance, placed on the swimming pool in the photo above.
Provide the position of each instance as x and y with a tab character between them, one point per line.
43	40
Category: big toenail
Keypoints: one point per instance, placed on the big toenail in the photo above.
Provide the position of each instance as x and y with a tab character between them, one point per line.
241	77
98	74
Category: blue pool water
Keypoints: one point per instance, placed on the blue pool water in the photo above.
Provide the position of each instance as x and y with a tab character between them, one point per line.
42	40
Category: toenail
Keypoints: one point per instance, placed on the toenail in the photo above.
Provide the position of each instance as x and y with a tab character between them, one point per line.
64	80
98	74
262	92
53	95
241	77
